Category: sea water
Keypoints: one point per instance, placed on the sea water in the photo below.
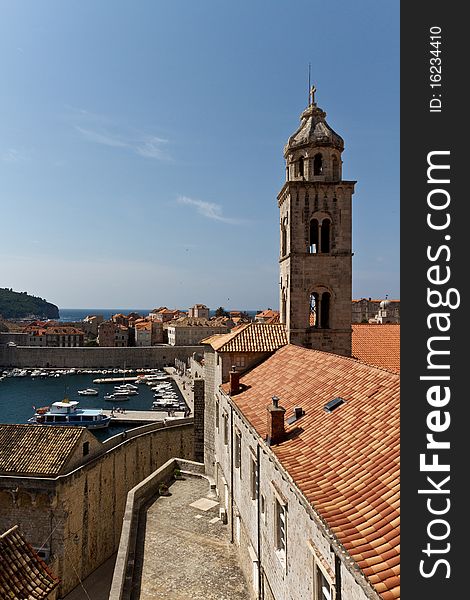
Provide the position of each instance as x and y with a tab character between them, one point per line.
18	396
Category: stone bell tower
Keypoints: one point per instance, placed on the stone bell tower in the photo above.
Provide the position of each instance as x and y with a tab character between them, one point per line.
316	253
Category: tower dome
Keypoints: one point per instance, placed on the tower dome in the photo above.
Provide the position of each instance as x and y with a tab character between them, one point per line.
313	152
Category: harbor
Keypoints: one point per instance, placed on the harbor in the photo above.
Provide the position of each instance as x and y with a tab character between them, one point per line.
21	395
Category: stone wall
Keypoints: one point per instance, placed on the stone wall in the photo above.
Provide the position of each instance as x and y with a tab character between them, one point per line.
198	419
210	358
94	358
77	517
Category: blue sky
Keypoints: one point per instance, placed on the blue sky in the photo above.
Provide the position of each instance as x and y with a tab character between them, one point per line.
141	144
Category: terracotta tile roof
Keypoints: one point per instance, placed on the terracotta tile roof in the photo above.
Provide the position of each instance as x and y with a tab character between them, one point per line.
36	449
346	463
267	314
250	337
377	345
22	573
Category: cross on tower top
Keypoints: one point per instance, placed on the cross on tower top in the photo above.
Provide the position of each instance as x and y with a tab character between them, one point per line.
313	89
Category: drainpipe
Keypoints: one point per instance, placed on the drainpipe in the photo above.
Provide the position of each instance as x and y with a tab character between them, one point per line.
338	577
258	503
231	473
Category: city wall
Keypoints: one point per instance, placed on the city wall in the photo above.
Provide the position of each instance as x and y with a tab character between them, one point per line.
94	358
77	518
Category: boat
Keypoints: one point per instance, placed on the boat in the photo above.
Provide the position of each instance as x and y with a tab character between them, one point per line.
66	413
116	397
88	392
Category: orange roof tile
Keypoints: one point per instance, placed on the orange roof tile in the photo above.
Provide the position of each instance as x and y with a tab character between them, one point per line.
250	337
22	573
377	345
346	463
36	449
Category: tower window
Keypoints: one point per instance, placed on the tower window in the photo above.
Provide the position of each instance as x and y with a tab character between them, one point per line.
325	236
319	310
301	166
325	310
283	238
318	164
314	310
313	242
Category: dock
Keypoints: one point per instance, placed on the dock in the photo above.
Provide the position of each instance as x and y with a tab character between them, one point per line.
116	379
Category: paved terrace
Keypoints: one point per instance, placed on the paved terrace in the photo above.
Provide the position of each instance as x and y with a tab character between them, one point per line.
185	554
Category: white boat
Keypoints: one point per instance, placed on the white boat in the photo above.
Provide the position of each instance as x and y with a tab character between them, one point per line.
88	392
66	413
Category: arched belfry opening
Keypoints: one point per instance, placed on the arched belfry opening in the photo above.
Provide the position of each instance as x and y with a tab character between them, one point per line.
319	310
325	236
318	164
313	246
316	252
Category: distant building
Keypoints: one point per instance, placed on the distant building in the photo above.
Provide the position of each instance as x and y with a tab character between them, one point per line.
113	335
268	316
188	331
120	319
163	314
91	323
365	309
199	311
54	336
143	333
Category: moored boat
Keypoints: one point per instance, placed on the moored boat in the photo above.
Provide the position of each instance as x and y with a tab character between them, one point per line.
66	413
88	392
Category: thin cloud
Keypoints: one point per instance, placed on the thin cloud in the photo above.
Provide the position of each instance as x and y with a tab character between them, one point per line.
101	138
148	146
11	155
210	210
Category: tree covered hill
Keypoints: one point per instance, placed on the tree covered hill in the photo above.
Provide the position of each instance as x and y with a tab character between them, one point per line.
17	305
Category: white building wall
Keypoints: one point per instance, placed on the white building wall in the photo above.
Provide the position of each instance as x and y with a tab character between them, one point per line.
308	541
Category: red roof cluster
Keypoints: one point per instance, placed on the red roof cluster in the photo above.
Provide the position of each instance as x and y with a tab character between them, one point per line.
346	463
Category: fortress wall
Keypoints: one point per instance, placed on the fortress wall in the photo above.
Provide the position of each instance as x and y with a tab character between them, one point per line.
94	358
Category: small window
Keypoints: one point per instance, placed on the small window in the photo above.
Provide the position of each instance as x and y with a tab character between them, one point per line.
86	448
217	415
324	589
263	507
225	419
280	517
238	451
254	479
301	166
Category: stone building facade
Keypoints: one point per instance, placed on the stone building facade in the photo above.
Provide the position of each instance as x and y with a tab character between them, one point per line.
187	331
315	259
365	309
294	489
199	311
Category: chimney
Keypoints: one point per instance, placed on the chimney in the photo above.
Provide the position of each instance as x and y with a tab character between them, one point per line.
234	381
275	424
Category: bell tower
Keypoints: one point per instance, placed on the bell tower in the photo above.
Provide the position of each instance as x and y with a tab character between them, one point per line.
315	225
